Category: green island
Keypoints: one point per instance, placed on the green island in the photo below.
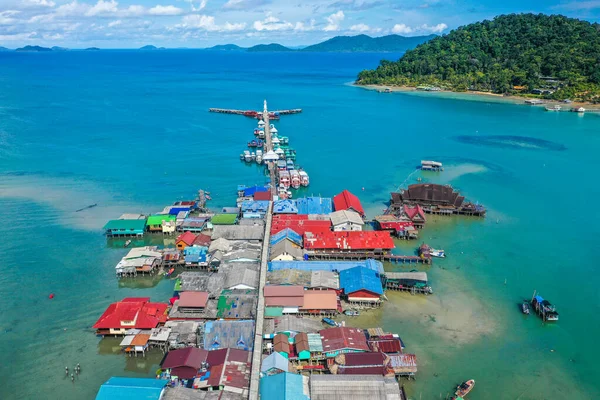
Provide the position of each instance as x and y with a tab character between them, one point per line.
532	55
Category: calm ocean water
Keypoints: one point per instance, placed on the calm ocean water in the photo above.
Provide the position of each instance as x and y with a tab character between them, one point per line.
130	131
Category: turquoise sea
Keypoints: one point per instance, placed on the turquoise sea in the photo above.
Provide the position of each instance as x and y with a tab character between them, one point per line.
130	131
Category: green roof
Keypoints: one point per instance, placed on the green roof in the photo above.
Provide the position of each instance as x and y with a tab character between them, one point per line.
125	224
273	311
224	219
177	285
158	219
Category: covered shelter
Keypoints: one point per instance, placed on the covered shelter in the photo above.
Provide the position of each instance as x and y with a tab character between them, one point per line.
121	388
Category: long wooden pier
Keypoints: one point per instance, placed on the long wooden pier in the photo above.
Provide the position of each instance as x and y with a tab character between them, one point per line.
252	113
393	258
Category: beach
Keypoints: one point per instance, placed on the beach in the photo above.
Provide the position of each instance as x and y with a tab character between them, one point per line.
477	95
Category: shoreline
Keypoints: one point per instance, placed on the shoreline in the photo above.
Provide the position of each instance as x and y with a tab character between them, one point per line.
497	98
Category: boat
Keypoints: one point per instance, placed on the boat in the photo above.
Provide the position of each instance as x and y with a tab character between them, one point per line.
253	143
281	165
554	108
253	155
437	253
295	179
304	181
87	207
580	110
544	308
464	388
427	165
525	307
284	140
282	192
285	179
351	313
242	156
329	321
289	165
168	273
259	156
247	156
257	131
127	243
289	194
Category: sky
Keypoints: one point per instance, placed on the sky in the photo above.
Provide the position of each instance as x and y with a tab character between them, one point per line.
203	23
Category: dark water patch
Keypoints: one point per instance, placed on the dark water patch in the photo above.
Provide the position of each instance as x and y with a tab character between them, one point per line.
510	142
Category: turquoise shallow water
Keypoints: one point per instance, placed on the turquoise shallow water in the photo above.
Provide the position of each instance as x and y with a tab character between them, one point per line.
131	132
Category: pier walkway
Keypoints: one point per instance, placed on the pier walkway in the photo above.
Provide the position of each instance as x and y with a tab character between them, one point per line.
260	312
393	258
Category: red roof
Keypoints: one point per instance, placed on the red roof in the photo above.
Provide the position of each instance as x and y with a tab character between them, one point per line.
335	339
356	359
386	345
412	211
348	240
233	369
186	362
193	299
283	301
299	223
202	240
145	315
283	291
262	196
187	238
348	201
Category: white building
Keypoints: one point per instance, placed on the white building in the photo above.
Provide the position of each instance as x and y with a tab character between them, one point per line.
346	220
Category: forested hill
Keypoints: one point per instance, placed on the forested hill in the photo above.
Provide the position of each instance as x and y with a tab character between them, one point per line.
552	55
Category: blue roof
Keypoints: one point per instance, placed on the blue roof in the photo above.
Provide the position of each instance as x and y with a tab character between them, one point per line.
286	233
371	264
285	386
360	278
176	209
275	360
249	191
189	250
314	205
255	206
285	207
117	388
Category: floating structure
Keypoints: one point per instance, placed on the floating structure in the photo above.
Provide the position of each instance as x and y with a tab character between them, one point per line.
544	308
413	282
434	199
431	165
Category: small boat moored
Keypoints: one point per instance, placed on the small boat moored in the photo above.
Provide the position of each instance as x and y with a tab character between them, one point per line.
544	308
554	108
329	321
437	253
464	388
525	308
351	313
127	243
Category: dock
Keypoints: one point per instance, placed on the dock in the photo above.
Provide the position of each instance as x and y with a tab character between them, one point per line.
255	114
393	258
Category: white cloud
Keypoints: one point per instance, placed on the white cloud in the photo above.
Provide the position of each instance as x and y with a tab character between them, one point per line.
103	7
72	9
360	28
333	21
6	17
201	5
165	10
270	23
18	36
244	4
435	28
207	23
39	3
302	27
405	29
402	29
115	23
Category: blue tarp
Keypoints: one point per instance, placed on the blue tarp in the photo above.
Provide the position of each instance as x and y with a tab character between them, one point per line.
539	299
117	388
284	386
360	278
249	191
285	207
176	210
259	206
314	205
371	264
286	233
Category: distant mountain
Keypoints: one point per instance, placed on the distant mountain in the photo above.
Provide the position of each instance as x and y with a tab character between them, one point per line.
268	47
150	47
56	48
33	48
228	47
92	49
3	48
364	43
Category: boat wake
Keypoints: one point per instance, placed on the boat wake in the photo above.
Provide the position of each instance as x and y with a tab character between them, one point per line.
511	142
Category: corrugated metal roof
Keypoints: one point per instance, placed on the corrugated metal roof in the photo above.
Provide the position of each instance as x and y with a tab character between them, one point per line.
374	265
348	240
314	205
285	386
117	388
315	343
360	387
275	361
324	279
159	219
340	338
360	278
193	299
126	225
347	200
283	291
319	300
416	276
386	345
345	216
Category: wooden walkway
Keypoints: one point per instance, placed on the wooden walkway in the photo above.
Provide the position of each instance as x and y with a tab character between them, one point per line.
393	258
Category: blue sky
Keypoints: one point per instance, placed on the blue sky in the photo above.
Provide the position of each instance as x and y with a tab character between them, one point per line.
201	23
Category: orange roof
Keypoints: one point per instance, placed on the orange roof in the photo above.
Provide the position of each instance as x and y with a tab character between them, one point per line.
141	339
319	300
193	299
187	238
